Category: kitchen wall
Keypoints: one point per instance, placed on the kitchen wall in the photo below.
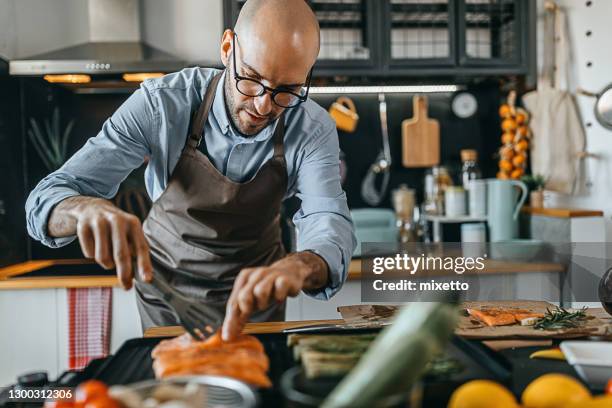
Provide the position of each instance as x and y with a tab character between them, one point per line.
582	18
189	29
29	27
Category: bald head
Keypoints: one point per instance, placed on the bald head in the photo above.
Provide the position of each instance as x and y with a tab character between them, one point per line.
275	42
289	26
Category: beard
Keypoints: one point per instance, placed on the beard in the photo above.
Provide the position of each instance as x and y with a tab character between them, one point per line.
233	109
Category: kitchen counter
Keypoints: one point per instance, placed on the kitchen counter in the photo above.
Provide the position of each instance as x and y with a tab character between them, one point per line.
34	275
562	212
492	266
20	276
250	328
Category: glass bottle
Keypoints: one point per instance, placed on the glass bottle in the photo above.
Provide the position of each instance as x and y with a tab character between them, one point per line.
436	182
470	170
403	199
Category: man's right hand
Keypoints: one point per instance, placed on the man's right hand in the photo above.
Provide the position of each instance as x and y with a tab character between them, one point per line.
106	233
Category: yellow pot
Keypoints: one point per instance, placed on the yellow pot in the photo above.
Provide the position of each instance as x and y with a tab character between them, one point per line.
344	113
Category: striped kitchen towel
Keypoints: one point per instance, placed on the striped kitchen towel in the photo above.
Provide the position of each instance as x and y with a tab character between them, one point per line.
89	315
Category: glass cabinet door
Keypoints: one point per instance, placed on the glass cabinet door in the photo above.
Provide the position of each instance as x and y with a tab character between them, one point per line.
490	31
348	30
419	32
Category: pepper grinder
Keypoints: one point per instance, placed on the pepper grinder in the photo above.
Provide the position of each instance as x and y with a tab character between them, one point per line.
403	203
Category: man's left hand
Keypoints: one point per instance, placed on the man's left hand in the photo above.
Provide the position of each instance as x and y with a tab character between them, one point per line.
256	288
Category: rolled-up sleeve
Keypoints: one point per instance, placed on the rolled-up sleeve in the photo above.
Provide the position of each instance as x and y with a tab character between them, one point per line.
323	221
99	167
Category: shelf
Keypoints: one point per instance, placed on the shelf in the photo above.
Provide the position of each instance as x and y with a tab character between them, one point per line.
454	220
562	212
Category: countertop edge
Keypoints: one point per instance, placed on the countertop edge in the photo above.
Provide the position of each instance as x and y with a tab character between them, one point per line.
58	282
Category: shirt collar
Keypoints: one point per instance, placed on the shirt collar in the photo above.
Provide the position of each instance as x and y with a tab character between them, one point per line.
218	109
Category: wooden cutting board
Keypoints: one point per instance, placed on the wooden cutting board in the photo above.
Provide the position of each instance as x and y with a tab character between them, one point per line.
420	137
600	323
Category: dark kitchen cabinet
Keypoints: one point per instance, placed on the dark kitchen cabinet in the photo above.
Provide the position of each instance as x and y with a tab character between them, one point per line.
421	38
13	240
494	33
349	34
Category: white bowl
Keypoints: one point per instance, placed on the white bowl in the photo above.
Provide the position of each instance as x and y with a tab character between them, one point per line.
592	360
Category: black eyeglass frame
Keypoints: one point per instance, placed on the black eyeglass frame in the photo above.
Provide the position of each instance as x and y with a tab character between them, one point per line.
264	89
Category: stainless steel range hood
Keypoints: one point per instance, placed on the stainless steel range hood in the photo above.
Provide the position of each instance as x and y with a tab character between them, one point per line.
114	46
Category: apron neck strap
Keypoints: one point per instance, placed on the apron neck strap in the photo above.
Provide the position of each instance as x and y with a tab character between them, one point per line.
279	136
200	117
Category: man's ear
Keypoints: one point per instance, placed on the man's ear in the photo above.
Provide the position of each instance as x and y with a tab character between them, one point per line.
226	46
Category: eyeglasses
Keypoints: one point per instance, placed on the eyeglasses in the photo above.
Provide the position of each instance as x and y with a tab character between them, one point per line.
282	96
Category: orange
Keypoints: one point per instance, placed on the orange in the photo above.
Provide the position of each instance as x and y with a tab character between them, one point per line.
507	138
482	394
522	145
506	152
523	130
508	125
521	118
554	391
519	160
517	173
600	401
505	110
505	165
502	175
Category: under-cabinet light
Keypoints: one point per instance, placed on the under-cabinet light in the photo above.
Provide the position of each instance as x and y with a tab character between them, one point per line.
68	79
141	76
383	89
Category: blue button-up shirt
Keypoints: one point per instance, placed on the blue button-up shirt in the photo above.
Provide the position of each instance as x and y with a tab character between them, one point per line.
154	122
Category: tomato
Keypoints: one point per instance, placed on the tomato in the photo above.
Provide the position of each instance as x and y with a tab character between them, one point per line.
102	402
90	390
609	387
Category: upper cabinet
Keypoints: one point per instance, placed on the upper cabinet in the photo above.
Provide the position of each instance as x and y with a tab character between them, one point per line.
421	38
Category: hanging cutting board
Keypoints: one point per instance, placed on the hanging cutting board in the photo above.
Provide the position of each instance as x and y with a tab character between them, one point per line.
420	137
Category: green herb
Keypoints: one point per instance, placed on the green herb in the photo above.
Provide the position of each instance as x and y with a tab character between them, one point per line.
560	318
534	182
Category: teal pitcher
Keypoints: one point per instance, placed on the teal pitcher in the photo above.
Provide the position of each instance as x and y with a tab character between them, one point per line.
504	201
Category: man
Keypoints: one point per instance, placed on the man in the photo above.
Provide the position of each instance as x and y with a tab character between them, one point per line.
217	179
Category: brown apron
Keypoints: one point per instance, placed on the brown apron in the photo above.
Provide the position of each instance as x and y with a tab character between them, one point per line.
205	228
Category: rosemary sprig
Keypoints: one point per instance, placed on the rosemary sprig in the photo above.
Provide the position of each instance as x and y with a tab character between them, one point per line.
560	318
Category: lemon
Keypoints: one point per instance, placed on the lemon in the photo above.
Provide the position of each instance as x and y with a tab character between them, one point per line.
554	391
482	394
602	401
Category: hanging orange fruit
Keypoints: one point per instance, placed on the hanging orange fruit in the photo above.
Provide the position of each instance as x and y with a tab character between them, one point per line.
509	125
505	165
507	138
506	152
505	110
521	146
519	160
515	139
517	173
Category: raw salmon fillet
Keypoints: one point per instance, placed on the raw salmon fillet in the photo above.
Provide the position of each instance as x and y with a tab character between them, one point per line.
501	317
243	359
